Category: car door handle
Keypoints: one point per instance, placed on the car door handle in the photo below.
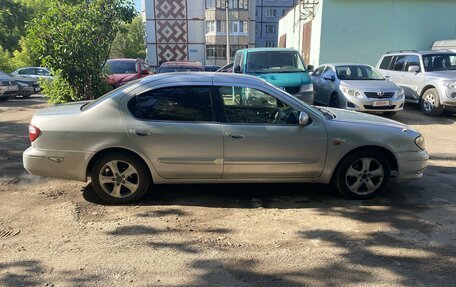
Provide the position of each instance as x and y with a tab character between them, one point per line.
140	132
236	136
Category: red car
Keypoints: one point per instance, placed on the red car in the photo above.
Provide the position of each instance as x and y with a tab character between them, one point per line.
122	71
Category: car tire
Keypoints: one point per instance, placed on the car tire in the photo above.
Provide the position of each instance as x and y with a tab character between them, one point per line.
389	114
120	178
430	103
334	101
362	174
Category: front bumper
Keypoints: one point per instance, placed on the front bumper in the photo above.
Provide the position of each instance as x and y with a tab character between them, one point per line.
56	163
411	165
307	97
368	104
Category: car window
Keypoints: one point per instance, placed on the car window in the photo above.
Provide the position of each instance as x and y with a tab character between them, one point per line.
42	72
252	106
400	63
357	73
318	71
173	104
439	62
385	64
327	72
411	60
27	71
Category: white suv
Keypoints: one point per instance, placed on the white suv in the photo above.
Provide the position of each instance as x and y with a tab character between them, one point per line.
428	78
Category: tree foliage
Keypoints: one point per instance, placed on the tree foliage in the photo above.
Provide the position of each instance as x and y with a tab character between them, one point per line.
73	38
129	41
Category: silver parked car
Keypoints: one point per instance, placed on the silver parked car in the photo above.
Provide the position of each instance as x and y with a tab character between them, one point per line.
33	72
356	87
214	128
428	78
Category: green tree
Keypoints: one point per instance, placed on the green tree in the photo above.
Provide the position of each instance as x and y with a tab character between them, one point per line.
129	41
5	60
73	38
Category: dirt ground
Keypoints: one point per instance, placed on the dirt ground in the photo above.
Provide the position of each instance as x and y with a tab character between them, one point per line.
56	233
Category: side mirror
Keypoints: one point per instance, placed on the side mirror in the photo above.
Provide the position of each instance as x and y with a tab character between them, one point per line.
414	69
310	68
331	78
303	119
237	69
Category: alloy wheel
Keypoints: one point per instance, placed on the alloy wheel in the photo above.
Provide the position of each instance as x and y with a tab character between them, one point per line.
429	102
119	179
364	176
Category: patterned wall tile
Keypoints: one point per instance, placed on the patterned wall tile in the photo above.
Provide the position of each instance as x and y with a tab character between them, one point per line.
171	31
170	9
175	52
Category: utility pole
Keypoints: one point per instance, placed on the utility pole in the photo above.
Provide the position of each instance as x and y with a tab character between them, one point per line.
227	17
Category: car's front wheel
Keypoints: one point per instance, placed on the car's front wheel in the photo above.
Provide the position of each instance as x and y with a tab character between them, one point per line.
363	174
120	178
430	103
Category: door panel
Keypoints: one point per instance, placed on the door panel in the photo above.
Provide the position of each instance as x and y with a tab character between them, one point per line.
274	151
262	138
175	128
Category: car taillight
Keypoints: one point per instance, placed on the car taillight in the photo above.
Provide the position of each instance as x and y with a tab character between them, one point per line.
34	132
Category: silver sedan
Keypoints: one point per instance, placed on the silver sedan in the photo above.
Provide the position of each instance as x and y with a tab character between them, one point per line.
217	128
356	87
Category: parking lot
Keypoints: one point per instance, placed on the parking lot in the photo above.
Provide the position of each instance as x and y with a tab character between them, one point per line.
56	233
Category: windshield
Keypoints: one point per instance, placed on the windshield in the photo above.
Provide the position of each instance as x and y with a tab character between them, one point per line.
121	67
357	73
178	69
439	62
275	62
112	93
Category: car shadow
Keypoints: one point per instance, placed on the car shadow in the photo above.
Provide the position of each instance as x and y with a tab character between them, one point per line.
412	115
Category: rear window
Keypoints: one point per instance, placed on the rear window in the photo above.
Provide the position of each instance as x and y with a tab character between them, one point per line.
121	67
173	104
179	69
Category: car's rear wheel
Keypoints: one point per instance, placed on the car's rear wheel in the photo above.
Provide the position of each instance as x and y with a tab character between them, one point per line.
363	174
430	103
120	178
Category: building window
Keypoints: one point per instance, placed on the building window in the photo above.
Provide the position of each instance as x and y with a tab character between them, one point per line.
239	27
270	43
210	4
210	26
271	12
221	4
219	51
221	26
233	4
243	4
270	28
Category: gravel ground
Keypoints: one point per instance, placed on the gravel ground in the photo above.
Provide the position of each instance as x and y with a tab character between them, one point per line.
56	233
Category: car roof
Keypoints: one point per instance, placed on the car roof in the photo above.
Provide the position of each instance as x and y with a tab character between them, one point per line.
122	59
345	64
267	49
413	52
182	64
202	77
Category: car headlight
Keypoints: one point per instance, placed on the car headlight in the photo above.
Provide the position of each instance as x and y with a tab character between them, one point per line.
306	88
400	93
351	92
419	141
450	84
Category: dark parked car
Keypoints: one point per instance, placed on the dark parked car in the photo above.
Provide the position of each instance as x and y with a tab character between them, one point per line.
122	71
26	86
211	68
180	66
226	69
8	87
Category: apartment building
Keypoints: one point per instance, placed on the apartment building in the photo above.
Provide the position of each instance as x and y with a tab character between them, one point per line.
195	30
267	15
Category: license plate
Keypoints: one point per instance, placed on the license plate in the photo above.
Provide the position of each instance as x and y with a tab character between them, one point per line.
381	103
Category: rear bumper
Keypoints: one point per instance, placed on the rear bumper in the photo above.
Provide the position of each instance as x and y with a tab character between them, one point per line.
411	165
55	163
307	97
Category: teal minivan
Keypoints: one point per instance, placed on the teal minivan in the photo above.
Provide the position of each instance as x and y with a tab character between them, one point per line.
284	68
